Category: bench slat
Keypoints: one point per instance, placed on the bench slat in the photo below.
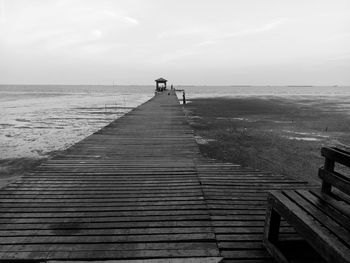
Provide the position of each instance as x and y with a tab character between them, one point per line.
315	199
341	207
323	240
323	219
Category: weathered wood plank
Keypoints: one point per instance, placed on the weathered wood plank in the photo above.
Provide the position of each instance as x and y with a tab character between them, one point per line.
130	190
325	242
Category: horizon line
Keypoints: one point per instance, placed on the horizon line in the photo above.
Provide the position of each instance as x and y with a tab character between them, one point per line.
182	85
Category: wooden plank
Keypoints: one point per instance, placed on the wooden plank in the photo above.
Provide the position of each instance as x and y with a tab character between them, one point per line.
327	206
337	155
139	188
327	221
149	219
130	190
104	230
162	260
320	238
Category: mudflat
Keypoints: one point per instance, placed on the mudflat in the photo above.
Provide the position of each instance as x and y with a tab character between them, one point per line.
281	135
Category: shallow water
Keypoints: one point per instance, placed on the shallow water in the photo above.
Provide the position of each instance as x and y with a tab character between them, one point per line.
35	120
296	92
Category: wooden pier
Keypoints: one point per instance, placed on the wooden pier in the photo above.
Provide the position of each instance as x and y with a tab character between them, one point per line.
138	189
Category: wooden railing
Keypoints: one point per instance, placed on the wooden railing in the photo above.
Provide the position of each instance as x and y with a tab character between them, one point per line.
327	173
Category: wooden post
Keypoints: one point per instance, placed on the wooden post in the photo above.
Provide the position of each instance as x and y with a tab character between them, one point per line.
183	97
271	232
272	224
328	166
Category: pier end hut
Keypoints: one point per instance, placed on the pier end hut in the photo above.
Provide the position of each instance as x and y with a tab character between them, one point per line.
160	84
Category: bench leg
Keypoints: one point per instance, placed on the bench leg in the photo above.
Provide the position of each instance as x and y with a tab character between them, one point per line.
271	232
272	225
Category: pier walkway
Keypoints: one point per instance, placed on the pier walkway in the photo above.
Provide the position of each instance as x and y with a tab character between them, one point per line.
138	189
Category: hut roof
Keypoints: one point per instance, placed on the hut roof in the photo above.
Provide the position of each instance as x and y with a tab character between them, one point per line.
161	80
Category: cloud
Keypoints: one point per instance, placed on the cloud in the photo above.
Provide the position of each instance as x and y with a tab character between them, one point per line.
168	35
64	26
219	29
207	43
188	31
244	32
212	35
176	55
130	20
272	25
96	34
123	18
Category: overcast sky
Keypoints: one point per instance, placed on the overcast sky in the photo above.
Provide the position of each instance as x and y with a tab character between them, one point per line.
224	42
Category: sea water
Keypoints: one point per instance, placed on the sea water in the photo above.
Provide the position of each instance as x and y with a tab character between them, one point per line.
280	91
35	120
38	119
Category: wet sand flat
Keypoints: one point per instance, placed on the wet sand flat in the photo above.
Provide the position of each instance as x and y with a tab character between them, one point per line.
282	135
35	120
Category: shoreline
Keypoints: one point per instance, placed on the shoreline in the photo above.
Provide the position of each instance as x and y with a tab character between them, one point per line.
12	169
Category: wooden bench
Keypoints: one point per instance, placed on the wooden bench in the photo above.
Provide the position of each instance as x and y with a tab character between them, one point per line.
320	217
